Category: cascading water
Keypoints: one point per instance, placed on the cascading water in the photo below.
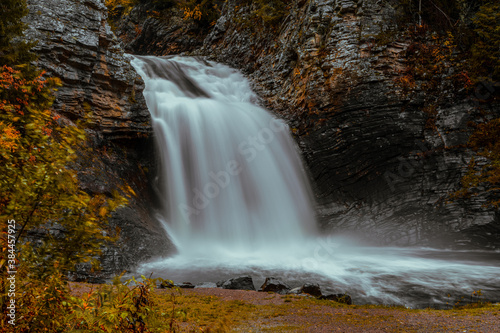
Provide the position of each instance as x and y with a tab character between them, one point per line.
237	201
234	179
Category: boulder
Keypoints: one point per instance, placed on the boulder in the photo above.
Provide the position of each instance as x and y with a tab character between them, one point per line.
239	283
312	289
297	290
275	285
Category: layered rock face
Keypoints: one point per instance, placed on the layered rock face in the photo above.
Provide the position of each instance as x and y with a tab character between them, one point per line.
76	44
379	171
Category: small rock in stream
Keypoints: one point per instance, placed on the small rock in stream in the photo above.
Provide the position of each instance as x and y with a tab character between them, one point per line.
275	285
312	289
239	283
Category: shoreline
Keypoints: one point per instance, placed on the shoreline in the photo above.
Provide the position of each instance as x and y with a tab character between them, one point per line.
225	310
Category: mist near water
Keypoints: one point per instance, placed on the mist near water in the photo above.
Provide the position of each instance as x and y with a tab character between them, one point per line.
237	201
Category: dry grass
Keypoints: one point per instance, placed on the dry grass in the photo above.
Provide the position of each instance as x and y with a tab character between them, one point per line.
219	310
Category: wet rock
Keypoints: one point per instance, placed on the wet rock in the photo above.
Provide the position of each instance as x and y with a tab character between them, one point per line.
275	285
312	289
339	298
185	285
150	29
76	44
240	283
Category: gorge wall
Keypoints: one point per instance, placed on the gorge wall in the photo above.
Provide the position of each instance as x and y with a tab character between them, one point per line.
380	171
76	44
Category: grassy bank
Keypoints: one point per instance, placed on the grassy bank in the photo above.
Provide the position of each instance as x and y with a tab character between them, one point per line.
220	310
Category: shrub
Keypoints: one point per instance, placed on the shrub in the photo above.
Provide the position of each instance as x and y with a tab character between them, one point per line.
270	12
39	190
128	306
485	59
204	13
485	142
118	8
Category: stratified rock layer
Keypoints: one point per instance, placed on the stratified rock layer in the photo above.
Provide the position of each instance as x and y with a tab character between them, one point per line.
379	171
76	44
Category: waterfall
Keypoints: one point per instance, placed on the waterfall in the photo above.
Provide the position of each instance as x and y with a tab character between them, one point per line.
237	201
233	178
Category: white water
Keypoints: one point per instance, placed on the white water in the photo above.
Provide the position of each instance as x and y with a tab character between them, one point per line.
234	179
237	200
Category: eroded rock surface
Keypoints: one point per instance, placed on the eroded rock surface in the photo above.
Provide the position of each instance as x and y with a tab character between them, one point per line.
379	171
76	44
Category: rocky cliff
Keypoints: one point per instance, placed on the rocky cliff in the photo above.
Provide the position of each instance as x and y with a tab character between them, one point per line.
383	167
76	44
379	170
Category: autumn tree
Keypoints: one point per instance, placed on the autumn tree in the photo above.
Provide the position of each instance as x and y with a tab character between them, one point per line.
57	225
38	189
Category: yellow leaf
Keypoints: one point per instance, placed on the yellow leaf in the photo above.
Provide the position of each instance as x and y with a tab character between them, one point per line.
103	211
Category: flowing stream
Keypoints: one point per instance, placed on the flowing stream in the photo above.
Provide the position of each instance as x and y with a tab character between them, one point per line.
237	201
